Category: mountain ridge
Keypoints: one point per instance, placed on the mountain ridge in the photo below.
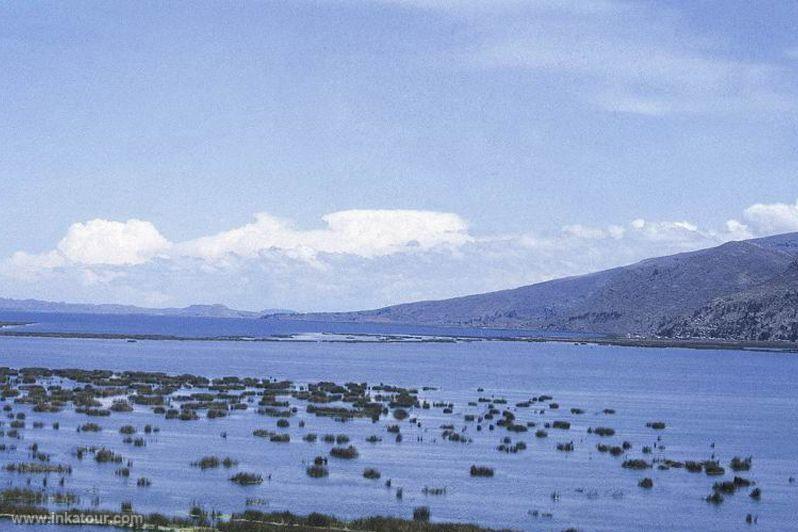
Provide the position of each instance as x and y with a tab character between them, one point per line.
646	298
194	311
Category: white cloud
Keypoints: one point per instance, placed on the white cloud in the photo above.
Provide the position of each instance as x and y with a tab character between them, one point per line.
772	218
112	243
357	259
364	233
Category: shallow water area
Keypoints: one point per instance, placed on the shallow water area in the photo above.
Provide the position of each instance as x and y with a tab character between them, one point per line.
743	402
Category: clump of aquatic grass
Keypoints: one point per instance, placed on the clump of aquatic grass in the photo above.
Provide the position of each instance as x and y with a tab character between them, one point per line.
755	494
740	464
602	431
373	439
206	462
636	463
727	486
89	427
712	468
371	473
563	425
310	437
104	455
36	468
283	423
143	482
246	479
421	514
344	452
481	471
565	446
693	467
541	433
715	498
317	471
646	483
127	429
656	425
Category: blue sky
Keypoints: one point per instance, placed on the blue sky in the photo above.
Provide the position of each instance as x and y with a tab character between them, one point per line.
391	150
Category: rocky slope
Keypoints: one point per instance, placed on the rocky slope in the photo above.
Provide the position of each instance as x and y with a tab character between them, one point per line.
767	312
645	298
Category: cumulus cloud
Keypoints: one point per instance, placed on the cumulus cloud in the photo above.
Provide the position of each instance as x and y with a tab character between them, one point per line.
364	233
113	243
357	259
93	243
772	218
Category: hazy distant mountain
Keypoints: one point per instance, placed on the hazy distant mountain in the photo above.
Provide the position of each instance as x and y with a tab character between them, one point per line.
645	298
194	311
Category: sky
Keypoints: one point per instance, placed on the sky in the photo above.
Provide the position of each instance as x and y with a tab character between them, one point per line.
342	154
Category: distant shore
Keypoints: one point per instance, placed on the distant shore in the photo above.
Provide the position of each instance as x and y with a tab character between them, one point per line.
691	343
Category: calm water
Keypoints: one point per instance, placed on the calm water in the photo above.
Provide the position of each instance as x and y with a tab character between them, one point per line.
746	403
222	327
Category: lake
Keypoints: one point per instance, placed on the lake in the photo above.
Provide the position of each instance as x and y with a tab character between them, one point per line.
745	403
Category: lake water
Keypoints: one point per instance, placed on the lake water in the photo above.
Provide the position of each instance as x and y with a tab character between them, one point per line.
745	403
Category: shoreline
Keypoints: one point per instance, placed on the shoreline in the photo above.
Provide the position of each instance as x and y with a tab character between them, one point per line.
694	343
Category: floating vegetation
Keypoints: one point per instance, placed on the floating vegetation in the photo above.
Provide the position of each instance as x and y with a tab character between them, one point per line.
38	468
740	464
189	398
348	453
246	479
602	431
317	471
636	463
421	514
565	446
481	471
371	473
694	467
206	462
104	455
712	468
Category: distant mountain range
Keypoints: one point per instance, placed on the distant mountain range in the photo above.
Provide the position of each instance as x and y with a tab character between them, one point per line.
745	290
193	311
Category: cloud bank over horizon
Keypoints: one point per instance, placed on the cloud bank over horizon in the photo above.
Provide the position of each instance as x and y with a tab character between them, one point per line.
357	259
